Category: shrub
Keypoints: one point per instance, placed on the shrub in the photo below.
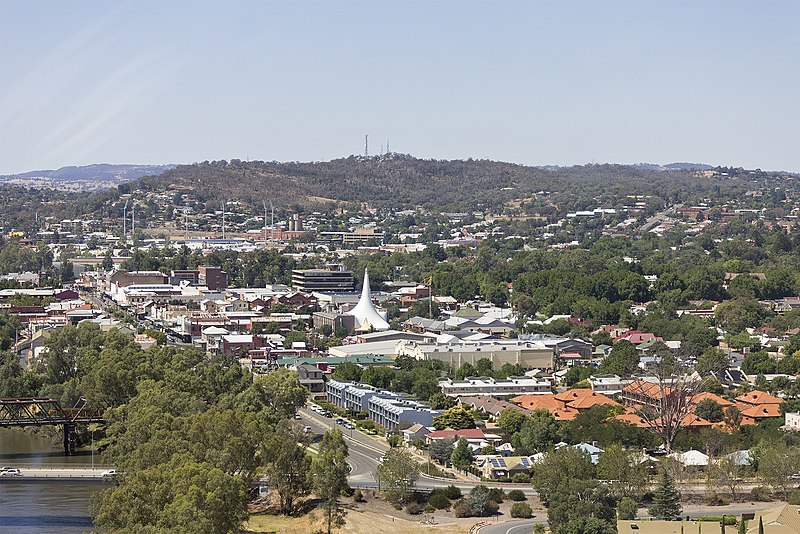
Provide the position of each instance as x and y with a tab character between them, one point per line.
516	495
521	510
761	494
419	497
414	508
480	501
453	492
496	495
429	509
538	528
521	478
794	497
358	496
461	509
439	500
712	498
626	509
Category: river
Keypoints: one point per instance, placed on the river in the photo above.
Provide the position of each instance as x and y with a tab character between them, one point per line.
42	508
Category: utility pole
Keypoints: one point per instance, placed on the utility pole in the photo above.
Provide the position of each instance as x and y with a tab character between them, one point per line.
125	221
186	224
264	202
223	219
133	221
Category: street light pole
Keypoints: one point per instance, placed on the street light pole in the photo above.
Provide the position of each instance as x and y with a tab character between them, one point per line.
92	449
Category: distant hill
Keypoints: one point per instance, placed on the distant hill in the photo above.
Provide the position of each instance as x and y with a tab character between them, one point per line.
681	166
85	178
403	180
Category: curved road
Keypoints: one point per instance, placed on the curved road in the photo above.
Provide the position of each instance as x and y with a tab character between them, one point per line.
364	451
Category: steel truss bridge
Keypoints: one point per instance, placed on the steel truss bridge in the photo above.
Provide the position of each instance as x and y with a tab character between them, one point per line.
34	411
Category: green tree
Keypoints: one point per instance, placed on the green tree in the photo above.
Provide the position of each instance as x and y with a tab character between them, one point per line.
511	420
586	525
462	455
776	464
536	434
329	472
288	465
712	359
466	369
566	482
709	410
456	418
576	374
480	501
181	496
347	371
282	391
666	499
397	475
441	450
623	360
627	475
440	401
108	261
626	509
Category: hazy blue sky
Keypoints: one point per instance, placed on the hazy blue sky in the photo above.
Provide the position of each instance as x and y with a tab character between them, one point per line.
530	82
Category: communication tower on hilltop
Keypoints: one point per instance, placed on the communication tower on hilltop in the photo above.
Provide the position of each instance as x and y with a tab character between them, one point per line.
366	146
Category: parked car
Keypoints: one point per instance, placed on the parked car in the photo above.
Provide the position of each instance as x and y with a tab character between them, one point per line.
12	472
307	429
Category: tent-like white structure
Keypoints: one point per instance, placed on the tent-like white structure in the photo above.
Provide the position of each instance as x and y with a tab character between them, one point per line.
367	317
690	457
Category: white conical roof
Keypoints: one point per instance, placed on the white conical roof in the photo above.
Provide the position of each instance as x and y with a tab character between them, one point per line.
365	312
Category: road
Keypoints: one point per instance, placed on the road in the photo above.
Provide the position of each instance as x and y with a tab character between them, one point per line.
519	526
364	452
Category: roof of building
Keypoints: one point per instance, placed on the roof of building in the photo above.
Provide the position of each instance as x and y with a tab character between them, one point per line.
583	399
365	312
761	411
466	433
490	404
782	519
672	527
705	395
758	397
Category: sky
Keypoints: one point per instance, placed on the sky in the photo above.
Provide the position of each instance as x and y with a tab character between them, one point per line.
539	83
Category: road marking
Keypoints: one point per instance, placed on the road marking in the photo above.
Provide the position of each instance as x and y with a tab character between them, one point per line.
524	525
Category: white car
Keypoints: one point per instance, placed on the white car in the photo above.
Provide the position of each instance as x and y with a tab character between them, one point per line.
109	473
12	472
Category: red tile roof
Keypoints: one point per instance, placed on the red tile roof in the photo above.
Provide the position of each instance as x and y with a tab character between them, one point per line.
758	397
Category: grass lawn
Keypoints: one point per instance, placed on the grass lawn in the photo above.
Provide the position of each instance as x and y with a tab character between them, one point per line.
358	522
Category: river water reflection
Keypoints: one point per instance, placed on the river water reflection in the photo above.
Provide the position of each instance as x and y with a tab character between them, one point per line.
42	508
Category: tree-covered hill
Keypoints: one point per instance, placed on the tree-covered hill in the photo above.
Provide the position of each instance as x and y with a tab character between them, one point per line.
398	180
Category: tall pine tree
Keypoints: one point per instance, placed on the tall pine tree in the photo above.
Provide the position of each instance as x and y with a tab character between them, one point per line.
666	500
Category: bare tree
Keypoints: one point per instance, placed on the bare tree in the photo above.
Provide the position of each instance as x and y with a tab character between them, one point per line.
664	400
726	471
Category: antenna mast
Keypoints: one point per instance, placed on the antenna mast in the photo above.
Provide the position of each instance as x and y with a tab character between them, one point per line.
366	146
387	146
